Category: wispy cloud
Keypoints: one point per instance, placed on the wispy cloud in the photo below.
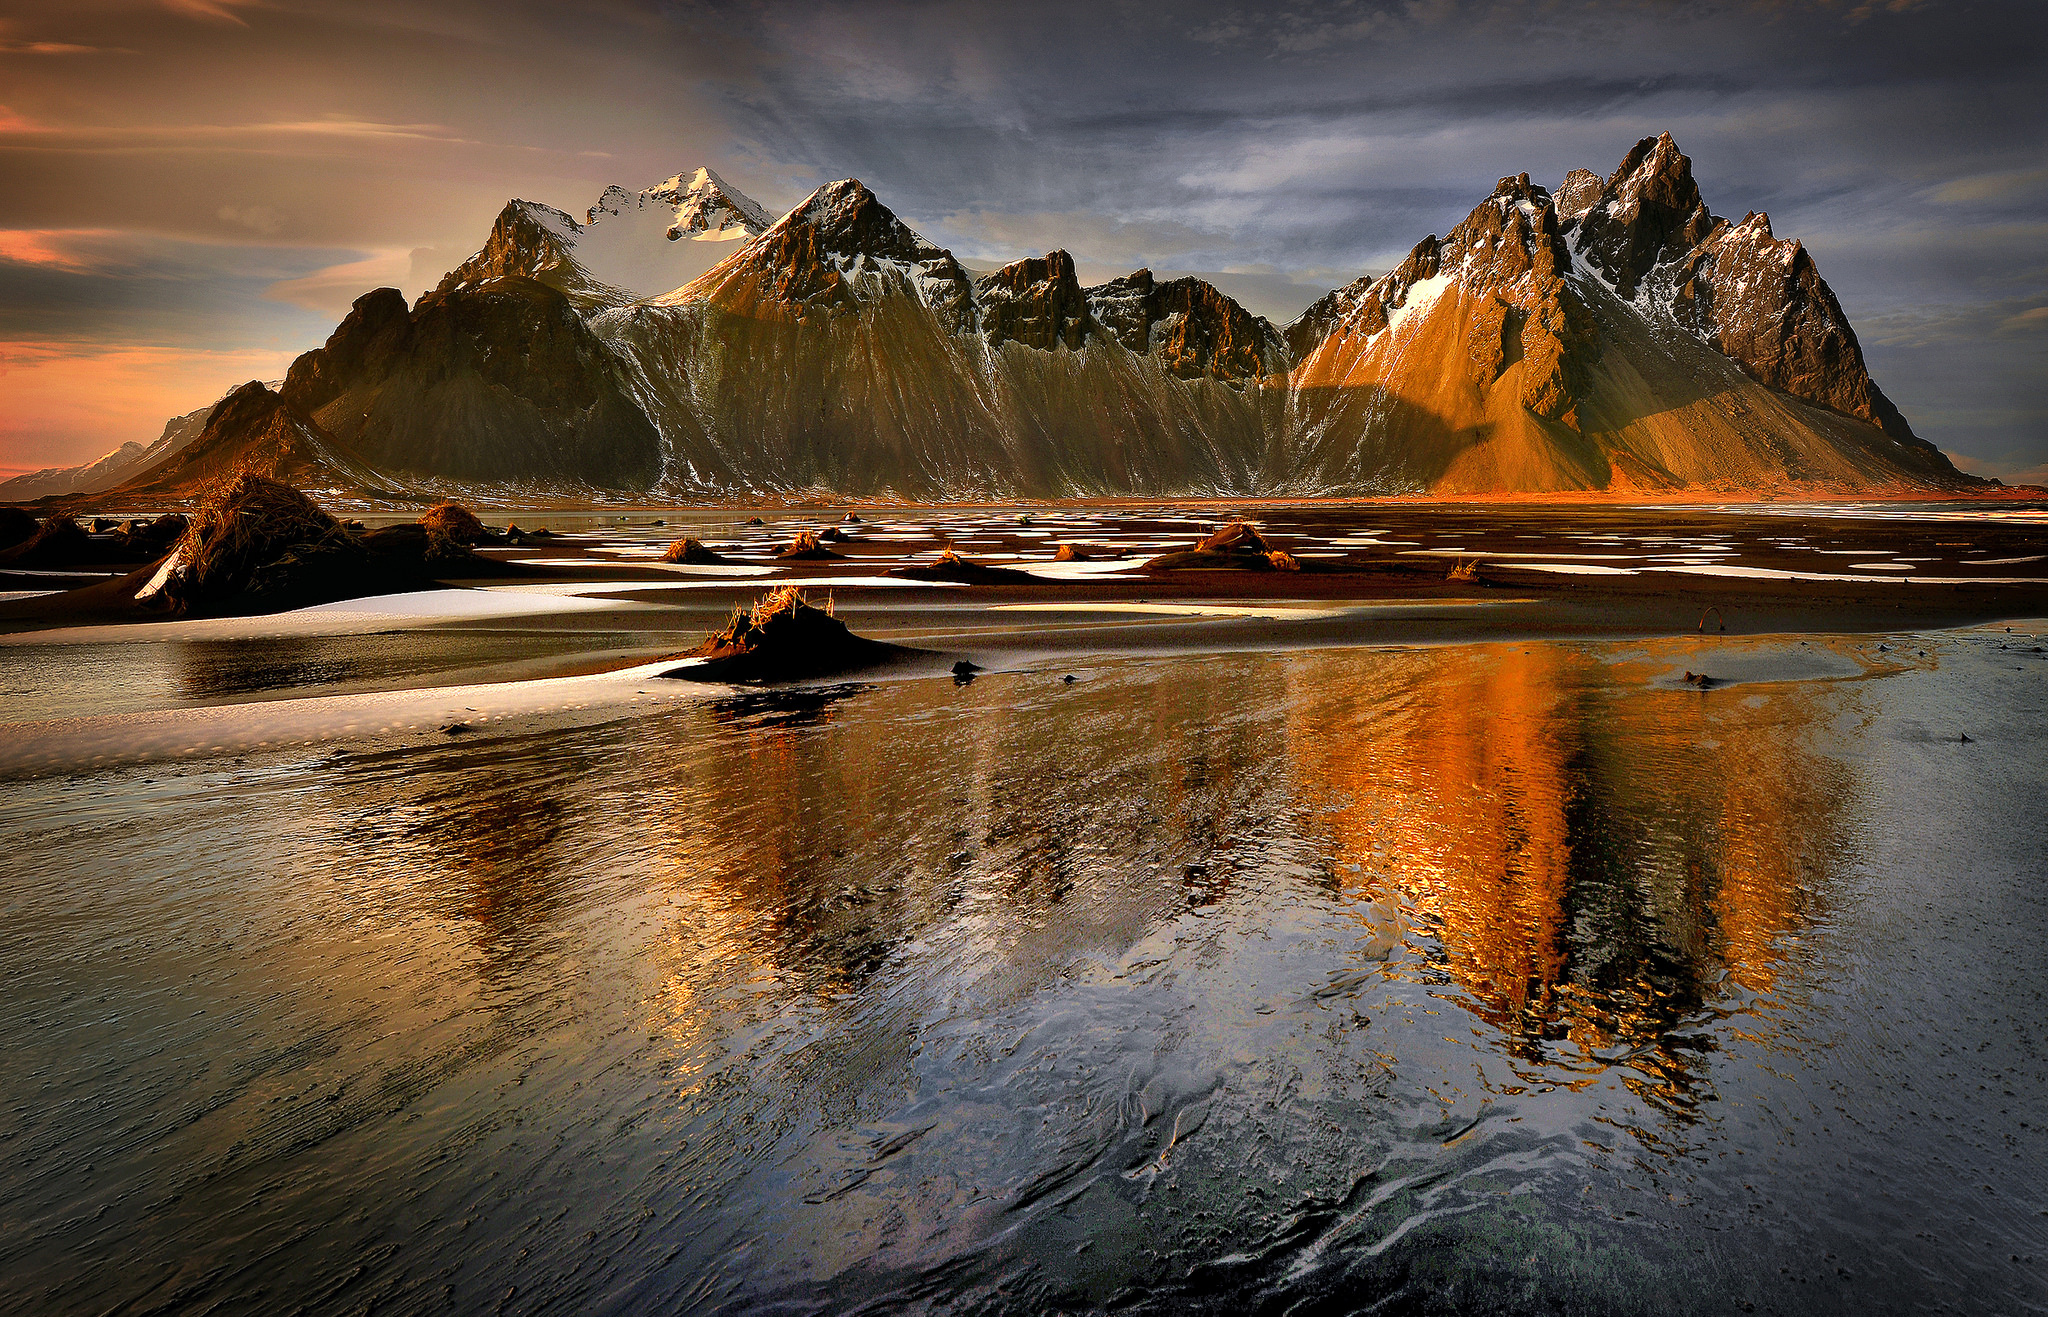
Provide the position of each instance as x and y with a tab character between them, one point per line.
53	249
211	11
159	135
55	48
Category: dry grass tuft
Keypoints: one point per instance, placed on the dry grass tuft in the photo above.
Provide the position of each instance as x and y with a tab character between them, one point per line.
458	523
691	550
782	614
1463	571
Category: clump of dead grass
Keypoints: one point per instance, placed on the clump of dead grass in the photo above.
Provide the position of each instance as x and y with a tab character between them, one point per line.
254	539
783	615
689	549
458	523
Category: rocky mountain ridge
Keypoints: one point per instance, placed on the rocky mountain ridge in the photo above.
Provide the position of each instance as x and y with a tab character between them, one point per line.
1615	335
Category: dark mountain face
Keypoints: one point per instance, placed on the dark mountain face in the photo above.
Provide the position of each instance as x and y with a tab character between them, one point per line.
499	380
253	430
1756	299
1036	302
1761	302
1196	331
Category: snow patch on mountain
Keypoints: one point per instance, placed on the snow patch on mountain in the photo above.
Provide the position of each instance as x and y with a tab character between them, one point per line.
636	245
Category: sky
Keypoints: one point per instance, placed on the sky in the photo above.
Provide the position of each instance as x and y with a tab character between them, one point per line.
192	191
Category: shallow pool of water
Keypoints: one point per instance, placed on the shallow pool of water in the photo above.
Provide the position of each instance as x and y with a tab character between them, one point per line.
1505	977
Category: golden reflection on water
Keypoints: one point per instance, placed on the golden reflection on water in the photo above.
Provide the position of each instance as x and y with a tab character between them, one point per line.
1592	864
1598	858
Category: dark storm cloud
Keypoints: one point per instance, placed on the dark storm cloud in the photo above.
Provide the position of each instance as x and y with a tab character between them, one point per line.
1297	144
1899	141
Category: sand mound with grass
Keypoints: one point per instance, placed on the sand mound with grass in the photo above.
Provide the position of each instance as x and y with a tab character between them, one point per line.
952	567
783	637
16	527
58	542
1085	553
807	548
456	522
256	545
1235	547
689	550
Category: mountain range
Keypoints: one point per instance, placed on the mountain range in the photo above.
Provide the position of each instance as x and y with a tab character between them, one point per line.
1611	335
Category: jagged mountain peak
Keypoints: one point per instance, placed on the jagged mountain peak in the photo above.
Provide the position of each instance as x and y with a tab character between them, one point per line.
698	205
850	220
1648	211
1577	194
1194	328
838	250
705	203
1036	301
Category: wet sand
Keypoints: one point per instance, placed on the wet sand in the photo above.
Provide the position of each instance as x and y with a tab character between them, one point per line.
1508	976
1230	942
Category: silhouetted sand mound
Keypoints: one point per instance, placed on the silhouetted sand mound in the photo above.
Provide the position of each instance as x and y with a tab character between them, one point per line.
60	541
258	546
456	522
1085	553
1238	546
57	542
16	527
805	547
783	638
952	567
688	550
145	539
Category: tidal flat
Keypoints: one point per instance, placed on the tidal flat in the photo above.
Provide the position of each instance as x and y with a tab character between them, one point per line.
1312	946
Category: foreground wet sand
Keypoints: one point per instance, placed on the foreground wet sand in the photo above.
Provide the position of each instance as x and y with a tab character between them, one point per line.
1507	976
1229	941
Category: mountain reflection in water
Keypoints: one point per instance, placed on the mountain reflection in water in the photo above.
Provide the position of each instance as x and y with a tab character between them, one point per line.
1489	976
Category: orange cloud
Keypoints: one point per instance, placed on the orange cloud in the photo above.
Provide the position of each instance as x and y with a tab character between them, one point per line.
69	402
46	247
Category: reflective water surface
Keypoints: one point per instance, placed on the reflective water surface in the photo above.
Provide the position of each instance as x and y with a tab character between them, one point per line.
1509	977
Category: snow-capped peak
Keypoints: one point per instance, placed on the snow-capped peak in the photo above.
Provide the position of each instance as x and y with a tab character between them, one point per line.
706	205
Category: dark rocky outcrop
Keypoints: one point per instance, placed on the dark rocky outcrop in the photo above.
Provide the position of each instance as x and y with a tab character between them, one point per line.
498	380
1036	302
1761	301
1191	326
